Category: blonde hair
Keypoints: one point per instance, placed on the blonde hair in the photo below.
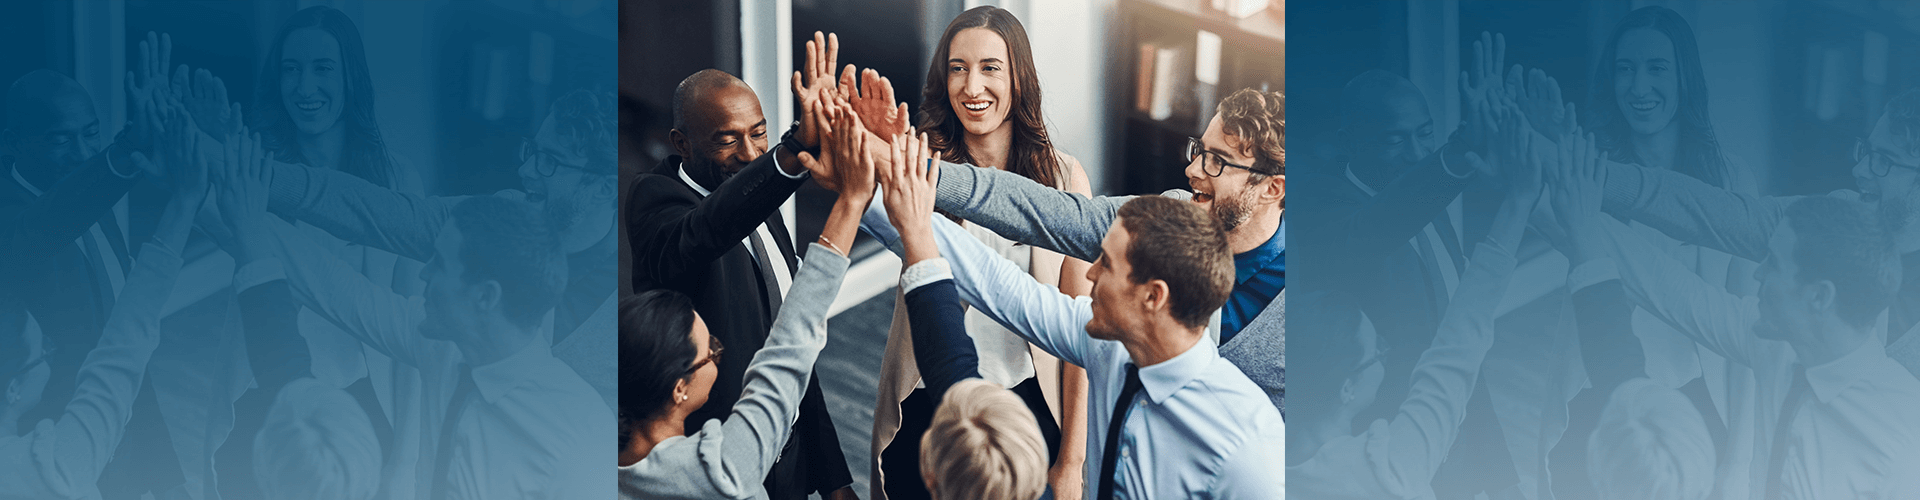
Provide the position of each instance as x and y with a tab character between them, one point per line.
983	444
1651	443
316	443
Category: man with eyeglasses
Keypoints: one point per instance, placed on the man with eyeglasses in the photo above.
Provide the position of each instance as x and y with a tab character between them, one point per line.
1886	170
1238	175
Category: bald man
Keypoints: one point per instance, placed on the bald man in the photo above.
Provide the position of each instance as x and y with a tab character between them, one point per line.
705	222
66	250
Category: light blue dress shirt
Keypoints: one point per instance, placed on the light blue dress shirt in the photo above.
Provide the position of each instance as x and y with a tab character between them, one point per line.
1201	429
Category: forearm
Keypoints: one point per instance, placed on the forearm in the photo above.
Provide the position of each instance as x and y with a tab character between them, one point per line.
942	351
1444	377
1384	222
111	376
64	212
1073	414
269	316
670	233
1603	317
371	313
777	376
358	211
1026	211
1663	287
1692	211
843	223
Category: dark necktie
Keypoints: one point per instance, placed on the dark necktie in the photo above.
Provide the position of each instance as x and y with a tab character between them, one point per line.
1777	460
767	279
1109	459
444	458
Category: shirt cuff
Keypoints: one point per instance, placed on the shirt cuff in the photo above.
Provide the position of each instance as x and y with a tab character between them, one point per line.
257	273
782	171
925	273
1592	273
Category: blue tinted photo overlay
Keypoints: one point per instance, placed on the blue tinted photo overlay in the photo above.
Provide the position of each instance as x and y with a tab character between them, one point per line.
1596	250
298	249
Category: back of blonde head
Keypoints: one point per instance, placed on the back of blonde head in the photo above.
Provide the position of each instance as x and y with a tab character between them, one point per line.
1651	443
983	444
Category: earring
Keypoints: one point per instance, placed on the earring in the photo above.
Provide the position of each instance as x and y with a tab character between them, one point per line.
683	399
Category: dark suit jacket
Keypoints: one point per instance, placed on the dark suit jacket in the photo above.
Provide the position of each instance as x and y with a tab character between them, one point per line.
692	245
43	269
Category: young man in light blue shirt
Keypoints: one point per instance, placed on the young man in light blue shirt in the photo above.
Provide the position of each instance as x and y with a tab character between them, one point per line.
1173	418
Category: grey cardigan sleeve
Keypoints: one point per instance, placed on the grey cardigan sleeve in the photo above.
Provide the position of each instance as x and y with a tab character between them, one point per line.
752	437
1026	211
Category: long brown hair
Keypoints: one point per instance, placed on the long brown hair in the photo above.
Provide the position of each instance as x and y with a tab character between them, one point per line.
1030	153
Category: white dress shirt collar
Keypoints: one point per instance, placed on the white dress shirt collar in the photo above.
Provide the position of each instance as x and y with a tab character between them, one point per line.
1163	379
1830	379
497	378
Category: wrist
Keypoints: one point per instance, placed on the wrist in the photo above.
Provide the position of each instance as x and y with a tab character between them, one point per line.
791	139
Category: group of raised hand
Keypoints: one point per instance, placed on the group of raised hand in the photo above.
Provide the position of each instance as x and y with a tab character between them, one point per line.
1525	133
185	133
864	136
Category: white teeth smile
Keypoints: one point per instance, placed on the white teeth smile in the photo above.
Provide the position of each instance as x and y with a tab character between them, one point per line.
976	106
1644	105
309	106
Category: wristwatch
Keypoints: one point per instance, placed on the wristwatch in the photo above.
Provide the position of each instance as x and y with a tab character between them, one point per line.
792	143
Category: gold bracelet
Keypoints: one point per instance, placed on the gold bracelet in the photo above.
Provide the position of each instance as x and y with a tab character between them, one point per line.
829	242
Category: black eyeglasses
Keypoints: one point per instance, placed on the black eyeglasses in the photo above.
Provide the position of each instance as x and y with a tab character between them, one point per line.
1379	355
1877	162
1215	164
544	162
714	348
36	361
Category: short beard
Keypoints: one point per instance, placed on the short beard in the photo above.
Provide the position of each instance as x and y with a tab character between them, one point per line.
1233	212
1897	213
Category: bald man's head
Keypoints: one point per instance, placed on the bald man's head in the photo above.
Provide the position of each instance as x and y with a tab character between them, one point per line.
51	125
1385	125
718	126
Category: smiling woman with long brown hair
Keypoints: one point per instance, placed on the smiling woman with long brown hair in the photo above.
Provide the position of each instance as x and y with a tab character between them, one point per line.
981	105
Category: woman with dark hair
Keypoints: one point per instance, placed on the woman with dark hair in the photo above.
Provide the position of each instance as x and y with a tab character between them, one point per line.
313	106
668	361
981	105
1647	105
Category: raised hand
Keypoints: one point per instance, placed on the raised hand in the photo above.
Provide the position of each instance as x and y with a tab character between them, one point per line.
1540	100
874	102
818	88
207	101
1480	86
179	150
147	91
1514	152
908	180
846	168
242	195
1577	179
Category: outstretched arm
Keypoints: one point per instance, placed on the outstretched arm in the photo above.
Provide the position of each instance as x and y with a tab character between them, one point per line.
942	349
1443	379
1027	211
1651	279
69	459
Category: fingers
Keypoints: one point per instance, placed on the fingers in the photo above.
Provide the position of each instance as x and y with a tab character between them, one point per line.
848	85
833	53
1499	51
180	83
166	53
